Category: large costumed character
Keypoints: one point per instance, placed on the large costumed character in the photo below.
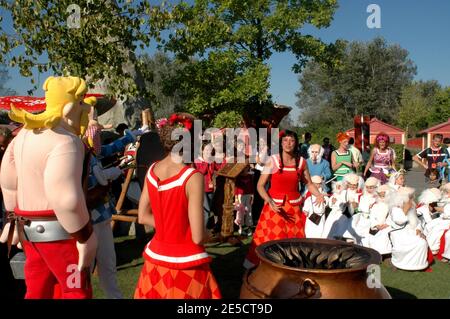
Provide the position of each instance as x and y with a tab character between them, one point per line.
41	175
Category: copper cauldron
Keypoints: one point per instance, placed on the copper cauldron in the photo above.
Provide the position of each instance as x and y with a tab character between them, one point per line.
314	268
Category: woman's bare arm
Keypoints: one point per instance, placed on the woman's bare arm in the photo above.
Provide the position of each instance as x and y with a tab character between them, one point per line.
145	215
369	163
263	179
334	164
195	190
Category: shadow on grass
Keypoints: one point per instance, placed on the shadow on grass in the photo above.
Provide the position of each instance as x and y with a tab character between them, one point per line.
399	294
130	249
228	271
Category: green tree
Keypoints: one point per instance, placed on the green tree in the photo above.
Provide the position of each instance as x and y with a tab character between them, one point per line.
440	110
98	45
232	41
415	107
4	77
4	91
158	71
368	81
287	123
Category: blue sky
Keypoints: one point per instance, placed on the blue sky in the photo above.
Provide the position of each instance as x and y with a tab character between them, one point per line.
421	27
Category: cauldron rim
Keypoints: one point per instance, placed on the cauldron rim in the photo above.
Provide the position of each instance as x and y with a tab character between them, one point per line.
375	257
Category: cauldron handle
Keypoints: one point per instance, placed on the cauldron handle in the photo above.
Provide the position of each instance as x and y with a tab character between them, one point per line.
307	288
252	288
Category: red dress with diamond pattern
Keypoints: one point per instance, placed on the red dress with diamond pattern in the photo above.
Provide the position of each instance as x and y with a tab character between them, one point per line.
175	267
284	190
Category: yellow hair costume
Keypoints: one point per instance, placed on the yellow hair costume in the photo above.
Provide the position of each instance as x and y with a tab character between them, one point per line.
92	100
59	91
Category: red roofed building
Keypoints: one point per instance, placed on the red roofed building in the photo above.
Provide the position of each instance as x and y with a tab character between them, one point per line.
443	128
397	135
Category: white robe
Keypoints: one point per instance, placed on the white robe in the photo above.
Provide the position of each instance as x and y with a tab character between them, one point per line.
446	253
309	207
379	215
435	229
424	214
394	188
350	231
332	227
361	221
409	251
336	223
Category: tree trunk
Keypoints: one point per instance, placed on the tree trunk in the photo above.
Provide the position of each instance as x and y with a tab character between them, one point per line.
127	110
259	41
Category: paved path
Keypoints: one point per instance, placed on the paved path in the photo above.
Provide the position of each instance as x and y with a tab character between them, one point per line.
415	178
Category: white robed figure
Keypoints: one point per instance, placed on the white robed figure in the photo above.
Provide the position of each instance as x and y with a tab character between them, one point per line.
445	238
361	220
343	205
446	242
427	203
335	225
433	225
445	199
409	246
397	180
355	186
315	214
380	222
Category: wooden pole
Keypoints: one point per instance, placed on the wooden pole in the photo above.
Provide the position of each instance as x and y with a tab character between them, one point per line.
146	117
227	217
123	194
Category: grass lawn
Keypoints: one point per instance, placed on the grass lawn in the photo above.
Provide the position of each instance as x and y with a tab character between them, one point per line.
228	270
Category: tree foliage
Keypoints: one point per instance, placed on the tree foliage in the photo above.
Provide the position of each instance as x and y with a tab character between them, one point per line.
44	37
231	42
368	81
158	71
4	77
416	105
440	110
287	123
224	45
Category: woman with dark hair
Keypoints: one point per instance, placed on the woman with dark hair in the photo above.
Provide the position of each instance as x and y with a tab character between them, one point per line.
176	264
382	158
281	216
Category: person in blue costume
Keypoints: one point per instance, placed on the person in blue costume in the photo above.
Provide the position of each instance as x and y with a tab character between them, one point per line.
319	166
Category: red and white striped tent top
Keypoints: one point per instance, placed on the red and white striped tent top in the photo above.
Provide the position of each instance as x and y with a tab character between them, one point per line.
28	103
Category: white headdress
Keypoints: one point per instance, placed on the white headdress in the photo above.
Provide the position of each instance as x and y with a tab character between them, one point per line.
371	181
316	179
401	197
351	178
446	187
395	176
429	196
336	184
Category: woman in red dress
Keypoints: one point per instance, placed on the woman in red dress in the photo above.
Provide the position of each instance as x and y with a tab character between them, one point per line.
176	264
281	216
